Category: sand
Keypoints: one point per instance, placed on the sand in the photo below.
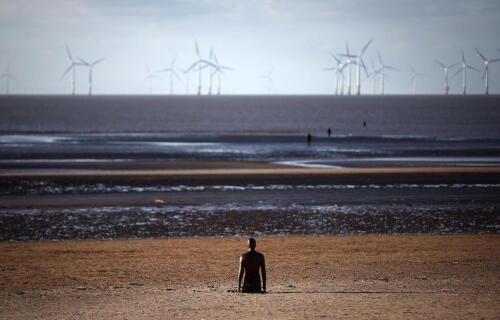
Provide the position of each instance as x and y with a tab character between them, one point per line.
348	277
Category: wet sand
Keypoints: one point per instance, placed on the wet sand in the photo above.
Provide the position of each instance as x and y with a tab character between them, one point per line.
348	277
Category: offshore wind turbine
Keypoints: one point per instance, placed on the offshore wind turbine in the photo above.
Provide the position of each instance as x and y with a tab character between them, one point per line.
8	77
349	62
339	73
150	77
91	67
173	73
200	64
414	77
485	73
268	77
72	68
463	69
446	68
219	70
381	70
360	63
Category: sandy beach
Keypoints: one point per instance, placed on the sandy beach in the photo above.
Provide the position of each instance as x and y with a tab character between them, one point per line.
347	277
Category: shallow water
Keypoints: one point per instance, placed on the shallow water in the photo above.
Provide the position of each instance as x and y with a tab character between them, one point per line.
236	219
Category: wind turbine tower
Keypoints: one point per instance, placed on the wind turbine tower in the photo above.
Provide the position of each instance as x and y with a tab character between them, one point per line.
485	73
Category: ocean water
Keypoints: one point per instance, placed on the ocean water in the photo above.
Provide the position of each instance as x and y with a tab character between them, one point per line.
435	116
76	134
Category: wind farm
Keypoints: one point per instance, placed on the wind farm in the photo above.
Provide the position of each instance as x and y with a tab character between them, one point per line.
341	70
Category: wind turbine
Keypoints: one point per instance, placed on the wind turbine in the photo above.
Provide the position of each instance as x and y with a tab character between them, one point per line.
268	77
339	74
485	73
151	75
219	70
446	68
360	63
8	77
349	61
173	73
200	64
91	67
463	69
72	68
381	70
414	77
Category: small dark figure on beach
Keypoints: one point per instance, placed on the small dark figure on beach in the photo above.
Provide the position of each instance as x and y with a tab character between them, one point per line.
309	138
250	264
329	132
364	123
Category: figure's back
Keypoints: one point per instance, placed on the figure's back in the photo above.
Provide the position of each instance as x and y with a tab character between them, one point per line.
252	261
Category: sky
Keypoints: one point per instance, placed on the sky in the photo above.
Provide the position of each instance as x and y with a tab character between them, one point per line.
293	39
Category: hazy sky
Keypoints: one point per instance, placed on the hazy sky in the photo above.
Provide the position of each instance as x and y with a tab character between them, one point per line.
292	37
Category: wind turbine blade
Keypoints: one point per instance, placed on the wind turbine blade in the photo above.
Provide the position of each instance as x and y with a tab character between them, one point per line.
412	69
197	49
335	58
208	63
347	48
176	75
453	65
85	63
96	62
463	57
173	61
191	67
166	70
226	68
458	72
481	55
69	53
472	68
380	58
67	70
442	65
347	55
391	68
494	60
363	65
330	69
366	47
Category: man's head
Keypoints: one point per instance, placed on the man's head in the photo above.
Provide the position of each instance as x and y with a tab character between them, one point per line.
252	243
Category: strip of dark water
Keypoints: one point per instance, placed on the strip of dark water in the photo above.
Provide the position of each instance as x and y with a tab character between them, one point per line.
235	219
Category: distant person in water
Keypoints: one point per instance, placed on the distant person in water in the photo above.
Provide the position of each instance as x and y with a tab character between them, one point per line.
364	123
250	264
329	132
309	138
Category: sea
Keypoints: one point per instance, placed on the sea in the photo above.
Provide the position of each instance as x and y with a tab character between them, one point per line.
92	134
